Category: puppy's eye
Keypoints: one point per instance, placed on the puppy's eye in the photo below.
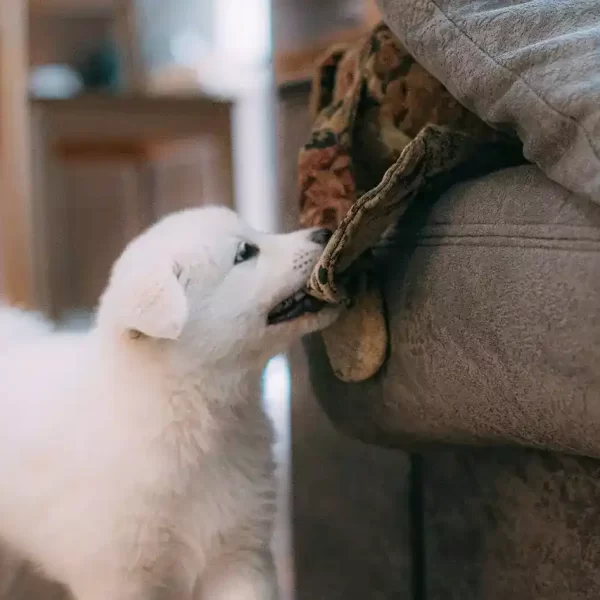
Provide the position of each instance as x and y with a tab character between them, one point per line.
245	251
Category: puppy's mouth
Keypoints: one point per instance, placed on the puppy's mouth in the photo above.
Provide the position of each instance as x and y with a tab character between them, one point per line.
293	307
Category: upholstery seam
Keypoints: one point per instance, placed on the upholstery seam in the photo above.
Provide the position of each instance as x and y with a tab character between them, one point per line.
508	236
492	245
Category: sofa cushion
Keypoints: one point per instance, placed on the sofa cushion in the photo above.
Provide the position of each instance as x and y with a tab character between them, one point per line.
510	523
533	65
494	316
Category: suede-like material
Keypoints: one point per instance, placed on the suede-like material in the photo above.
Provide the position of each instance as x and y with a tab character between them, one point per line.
510	524
532	65
494	317
493	300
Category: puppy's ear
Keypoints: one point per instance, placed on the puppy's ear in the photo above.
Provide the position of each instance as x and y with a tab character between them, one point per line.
152	303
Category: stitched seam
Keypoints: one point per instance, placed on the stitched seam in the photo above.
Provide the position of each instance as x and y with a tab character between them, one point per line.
595	240
494	236
437	242
521	80
515	225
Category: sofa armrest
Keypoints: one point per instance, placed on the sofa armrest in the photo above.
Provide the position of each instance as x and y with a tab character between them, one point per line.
494	317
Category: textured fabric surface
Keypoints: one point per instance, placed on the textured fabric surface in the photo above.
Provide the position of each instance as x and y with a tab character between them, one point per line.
350	508
384	130
533	65
350	513
368	101
494	316
511	524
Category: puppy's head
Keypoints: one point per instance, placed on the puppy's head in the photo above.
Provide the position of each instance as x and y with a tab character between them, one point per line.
212	287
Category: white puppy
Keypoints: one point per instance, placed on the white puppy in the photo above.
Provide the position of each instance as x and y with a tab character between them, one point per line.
135	460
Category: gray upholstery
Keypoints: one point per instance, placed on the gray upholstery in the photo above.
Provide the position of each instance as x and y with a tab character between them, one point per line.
531	64
350	502
510	524
494	317
493	299
350	508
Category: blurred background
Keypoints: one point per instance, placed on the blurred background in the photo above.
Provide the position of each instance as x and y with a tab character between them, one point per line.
116	112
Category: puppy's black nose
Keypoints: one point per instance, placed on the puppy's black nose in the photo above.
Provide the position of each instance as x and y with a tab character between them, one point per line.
321	236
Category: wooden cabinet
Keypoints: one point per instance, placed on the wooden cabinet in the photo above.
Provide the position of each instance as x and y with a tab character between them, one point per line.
15	186
105	169
70	7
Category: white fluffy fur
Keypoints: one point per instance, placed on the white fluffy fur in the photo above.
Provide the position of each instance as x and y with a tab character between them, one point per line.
135	460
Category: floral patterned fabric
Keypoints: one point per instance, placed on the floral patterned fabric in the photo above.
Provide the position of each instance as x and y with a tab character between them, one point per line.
384	131
369	102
